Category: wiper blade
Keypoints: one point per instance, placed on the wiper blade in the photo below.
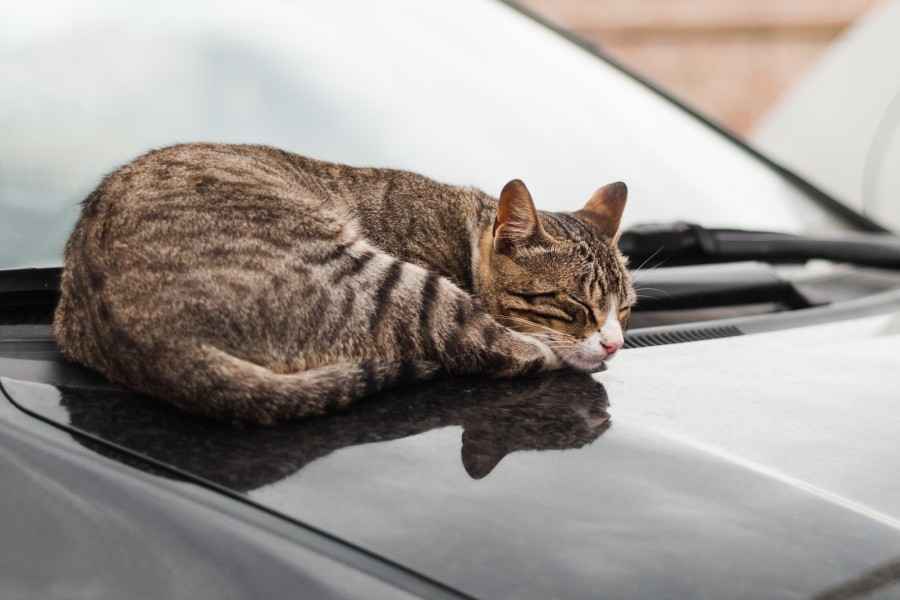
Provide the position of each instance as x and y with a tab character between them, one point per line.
682	243
705	286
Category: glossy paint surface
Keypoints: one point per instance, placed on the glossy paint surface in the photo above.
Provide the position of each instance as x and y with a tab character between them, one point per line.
761	466
77	525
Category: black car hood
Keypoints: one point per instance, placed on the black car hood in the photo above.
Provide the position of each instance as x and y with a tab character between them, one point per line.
760	466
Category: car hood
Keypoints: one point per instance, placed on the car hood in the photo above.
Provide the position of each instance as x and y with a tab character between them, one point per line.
757	466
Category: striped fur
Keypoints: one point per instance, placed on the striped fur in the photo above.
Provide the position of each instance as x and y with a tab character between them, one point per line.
245	282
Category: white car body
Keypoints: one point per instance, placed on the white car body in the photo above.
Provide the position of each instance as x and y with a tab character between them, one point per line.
840	126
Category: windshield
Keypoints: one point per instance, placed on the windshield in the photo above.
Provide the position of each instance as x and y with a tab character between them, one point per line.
468	92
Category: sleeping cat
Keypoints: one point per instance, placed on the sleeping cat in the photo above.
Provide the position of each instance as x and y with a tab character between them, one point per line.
246	282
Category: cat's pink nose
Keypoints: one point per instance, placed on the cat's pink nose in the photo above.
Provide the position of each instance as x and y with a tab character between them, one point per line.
612	347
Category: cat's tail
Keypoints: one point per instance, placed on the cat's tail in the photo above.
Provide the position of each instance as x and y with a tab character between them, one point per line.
223	386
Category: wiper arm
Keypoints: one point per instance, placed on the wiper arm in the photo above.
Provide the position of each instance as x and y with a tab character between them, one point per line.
683	243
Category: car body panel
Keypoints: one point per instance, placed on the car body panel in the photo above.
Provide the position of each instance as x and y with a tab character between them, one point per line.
839	126
759	466
78	525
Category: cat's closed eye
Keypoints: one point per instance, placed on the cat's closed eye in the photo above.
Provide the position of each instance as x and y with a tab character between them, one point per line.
532	294
539	305
624	315
584	304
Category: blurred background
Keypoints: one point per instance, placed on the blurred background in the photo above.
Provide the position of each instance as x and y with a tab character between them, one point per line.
732	59
469	91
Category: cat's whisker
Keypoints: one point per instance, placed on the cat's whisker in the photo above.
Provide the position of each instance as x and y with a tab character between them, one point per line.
555	333
557	342
648	259
640	291
656	266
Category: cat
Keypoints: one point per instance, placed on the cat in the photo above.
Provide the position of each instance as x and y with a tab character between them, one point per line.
561	410
246	282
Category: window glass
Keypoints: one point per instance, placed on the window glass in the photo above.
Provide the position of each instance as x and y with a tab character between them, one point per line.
469	92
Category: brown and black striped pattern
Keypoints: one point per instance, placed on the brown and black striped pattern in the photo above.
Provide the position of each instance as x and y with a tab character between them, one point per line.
245	282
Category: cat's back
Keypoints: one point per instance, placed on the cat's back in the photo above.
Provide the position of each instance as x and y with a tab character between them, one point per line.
185	222
193	174
191	195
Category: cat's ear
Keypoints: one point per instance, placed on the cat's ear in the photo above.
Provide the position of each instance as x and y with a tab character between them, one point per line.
517	218
479	459
604	209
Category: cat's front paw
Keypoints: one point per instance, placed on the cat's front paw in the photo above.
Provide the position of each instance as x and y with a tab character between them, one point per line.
536	356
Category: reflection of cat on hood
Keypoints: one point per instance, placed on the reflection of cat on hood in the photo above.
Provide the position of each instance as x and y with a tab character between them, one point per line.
555	414
557	411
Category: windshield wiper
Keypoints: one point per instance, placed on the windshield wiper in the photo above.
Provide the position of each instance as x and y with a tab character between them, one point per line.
682	243
704	286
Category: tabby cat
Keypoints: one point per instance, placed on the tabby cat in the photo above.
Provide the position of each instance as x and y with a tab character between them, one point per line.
246	282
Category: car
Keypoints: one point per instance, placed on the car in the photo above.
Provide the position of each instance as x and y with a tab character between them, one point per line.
840	125
742	446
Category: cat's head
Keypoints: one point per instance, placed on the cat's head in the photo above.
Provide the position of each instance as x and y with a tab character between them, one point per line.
560	276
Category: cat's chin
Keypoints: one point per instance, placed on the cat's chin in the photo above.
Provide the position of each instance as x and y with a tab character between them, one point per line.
586	364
